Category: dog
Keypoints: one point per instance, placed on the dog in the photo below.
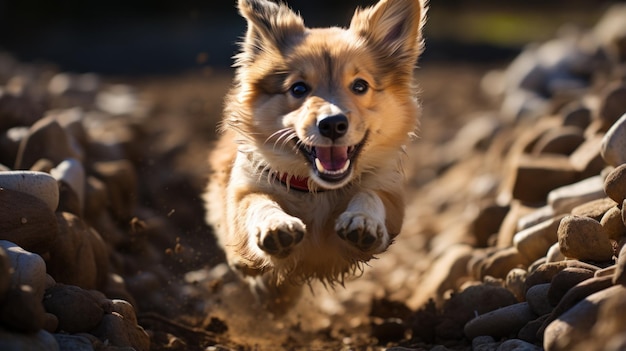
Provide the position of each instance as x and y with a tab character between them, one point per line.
307	176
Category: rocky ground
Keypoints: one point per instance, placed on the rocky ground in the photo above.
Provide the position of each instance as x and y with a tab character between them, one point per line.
514	238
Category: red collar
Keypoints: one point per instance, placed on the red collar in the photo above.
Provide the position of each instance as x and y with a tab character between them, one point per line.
296	183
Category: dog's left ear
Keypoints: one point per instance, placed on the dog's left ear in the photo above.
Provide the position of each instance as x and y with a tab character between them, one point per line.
270	25
394	28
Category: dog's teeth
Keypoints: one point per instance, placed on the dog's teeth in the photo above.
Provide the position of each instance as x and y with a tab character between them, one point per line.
321	168
319	165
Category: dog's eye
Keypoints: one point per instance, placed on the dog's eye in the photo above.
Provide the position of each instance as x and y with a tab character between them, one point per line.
359	87
299	89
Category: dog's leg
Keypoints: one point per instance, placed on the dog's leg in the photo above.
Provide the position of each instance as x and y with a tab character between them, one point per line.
268	227
363	223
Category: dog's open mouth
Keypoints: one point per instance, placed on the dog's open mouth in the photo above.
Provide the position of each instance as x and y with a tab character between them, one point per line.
332	164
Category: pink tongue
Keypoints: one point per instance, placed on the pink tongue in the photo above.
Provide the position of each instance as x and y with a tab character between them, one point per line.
333	158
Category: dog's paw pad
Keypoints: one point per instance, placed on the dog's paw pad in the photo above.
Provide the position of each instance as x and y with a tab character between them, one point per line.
361	231
360	239
278	240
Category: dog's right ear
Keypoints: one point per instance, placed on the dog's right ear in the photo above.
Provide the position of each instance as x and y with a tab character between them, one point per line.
270	26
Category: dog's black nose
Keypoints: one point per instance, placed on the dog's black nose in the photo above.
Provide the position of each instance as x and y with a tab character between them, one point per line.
333	127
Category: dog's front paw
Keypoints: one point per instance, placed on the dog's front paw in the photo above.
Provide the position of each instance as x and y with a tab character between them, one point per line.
362	231
279	234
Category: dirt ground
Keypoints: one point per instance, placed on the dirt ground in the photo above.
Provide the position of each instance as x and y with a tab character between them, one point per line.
219	312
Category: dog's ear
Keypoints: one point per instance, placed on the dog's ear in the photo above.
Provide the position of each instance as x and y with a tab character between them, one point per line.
270	25
394	28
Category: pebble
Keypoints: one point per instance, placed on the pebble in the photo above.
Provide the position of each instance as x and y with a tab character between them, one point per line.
615	184
594	209
619	276
573	326
535	241
585	239
38	184
587	159
561	141
71	173
554	253
515	283
22	310
488	222
27	221
537	298
613	105
501	322
613	148
120	179
73	342
77	242
566	279
39	341
499	263
46	139
613	224
565	198
546	271
28	268
5	272
535	177
119	331
517	345
76	309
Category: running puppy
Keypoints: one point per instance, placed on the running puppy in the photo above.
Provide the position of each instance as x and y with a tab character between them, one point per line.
307	177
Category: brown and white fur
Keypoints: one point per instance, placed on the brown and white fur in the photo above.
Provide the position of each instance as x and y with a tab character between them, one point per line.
331	108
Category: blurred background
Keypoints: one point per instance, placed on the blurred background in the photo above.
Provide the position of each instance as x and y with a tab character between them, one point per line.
140	37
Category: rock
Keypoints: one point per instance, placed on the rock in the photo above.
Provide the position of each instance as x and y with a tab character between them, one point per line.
517	345
528	332
22	310
613	149
535	177
71	174
585	239
613	224
615	183
39	341
554	253
96	198
118	331
620	268
5	272
546	271
565	198
484	343
594	209
499	263
515	283
27	221
576	115
388	330
120	179
537	298
561	141
38	184
454	263
46	139
587	158
613	105
535	241
79	256
535	217
488	222
73	342
28	268
509	225
566	279
574	326
77	310
501	322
